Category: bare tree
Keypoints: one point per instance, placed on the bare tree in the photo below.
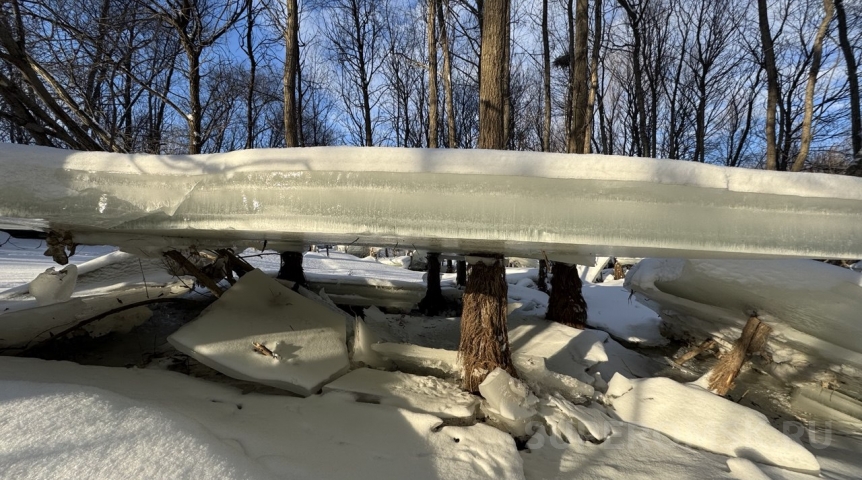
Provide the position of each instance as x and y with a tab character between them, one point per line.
433	129
816	56
768	48
853	83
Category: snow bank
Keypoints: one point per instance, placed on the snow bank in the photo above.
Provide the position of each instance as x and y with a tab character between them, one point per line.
612	310
373	196
571	422
631	452
535	373
416	393
70	432
696	417
292	438
307	339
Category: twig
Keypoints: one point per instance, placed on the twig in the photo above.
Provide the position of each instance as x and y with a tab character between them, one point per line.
146	289
261	349
707	345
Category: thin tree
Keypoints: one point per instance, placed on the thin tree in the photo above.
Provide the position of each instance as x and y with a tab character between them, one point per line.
447	73
578	80
853	82
546	80
432	75
816	55
768	49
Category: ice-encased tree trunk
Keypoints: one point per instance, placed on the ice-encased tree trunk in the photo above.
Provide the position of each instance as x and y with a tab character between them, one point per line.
291	268
484	342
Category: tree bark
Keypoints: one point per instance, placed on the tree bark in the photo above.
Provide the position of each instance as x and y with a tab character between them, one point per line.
492	65
816	56
484	343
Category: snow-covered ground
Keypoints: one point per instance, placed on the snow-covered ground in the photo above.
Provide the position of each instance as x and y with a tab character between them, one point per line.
596	403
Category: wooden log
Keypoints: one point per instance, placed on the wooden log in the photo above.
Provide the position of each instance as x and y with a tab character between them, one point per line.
753	339
708	344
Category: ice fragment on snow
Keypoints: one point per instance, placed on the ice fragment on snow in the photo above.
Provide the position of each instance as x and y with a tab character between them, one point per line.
508	396
52	286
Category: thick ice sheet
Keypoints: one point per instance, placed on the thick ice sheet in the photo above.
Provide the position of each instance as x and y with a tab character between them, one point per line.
446	200
307	339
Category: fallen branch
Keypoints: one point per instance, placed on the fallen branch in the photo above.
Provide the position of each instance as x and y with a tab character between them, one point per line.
709	344
100	316
190	268
261	349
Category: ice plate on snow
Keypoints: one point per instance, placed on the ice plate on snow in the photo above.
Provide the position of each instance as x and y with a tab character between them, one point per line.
307	340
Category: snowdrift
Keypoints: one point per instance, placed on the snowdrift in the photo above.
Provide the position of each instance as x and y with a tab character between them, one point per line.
518	203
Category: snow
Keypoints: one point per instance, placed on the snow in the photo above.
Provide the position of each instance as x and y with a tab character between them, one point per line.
421	394
432	199
812	307
420	360
508	396
307	339
293	438
53	286
363	339
696	417
535	373
67	431
589	423
611	309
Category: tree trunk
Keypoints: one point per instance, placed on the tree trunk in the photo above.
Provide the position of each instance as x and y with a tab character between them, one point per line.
252	78
542	283
492	65
578	78
853	83
816	56
752	340
291	268
291	70
432	75
447	75
567	304
546	80
772	83
484	342
433	303
461	273
594	75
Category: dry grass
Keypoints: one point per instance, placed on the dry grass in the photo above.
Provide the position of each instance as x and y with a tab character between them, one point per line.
752	340
566	304
484	336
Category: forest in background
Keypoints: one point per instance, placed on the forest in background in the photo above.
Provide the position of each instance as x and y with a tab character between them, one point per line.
765	84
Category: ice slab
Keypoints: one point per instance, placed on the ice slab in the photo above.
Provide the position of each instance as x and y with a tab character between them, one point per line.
440	200
421	394
307	338
565	349
571	422
535	373
812	307
612	310
695	417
